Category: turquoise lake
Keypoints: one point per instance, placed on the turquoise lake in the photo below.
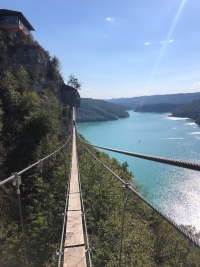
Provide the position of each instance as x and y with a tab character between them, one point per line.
174	190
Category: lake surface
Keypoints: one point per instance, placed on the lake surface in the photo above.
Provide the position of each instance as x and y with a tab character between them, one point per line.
174	190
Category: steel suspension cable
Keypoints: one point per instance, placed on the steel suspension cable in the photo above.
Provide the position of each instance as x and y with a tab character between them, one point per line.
60	253
85	226
184	232
173	162
31	166
63	227
84	220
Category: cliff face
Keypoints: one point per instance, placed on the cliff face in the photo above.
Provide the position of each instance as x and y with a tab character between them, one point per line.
31	57
40	66
70	96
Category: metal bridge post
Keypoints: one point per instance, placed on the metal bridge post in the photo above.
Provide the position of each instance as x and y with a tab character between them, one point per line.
17	182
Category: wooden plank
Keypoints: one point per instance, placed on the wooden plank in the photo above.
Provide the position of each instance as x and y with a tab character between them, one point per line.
74	202
74	188
74	177
74	229
74	257
75	169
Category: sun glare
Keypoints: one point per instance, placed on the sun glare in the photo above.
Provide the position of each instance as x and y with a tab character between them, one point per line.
162	51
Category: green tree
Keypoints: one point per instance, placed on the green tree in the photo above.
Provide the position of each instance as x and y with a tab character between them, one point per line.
54	68
56	63
72	81
23	79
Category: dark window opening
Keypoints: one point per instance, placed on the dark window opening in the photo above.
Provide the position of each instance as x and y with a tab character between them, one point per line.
9	20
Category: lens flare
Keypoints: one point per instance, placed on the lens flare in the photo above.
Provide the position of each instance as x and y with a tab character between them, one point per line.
165	44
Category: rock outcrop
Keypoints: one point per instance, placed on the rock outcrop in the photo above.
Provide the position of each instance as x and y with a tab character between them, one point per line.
40	66
70	96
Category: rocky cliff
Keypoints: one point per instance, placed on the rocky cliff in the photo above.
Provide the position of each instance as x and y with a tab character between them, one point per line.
22	50
70	96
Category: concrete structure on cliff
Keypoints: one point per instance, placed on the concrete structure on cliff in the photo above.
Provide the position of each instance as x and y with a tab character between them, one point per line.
14	21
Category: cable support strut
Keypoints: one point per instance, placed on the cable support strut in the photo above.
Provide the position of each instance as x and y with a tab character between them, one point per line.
17	182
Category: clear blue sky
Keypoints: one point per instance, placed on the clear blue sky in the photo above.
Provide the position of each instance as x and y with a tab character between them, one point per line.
120	48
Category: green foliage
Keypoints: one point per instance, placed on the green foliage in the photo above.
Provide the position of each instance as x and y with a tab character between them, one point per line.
43	200
9	44
6	35
23	79
8	80
124	106
54	68
5	40
44	214
56	63
190	110
161	107
3	53
30	102
98	110
66	112
26	42
32	125
72	81
32	128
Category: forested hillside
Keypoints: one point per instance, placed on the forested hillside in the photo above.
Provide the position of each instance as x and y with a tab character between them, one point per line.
155	99
125	106
190	110
29	112
33	123
161	107
98	110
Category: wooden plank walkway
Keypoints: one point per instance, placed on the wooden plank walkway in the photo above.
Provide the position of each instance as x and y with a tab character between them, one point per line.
74	248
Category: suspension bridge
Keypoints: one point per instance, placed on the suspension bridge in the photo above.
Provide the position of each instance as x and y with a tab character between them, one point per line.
75	249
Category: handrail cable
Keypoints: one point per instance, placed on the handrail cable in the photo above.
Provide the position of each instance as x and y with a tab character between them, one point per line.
184	232
84	220
177	163
34	164
64	223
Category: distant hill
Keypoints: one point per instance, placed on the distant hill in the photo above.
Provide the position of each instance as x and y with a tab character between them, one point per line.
98	110
155	99
161	107
125	106
190	110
